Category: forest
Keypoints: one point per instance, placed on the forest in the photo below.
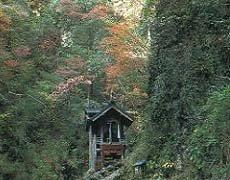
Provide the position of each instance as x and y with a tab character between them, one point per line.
166	61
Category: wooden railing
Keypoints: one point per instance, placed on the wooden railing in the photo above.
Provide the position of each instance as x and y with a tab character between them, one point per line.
111	149
99	140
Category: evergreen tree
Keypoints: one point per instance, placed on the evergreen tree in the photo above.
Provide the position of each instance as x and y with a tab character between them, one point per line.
190	59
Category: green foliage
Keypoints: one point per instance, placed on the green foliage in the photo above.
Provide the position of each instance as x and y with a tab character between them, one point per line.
209	143
42	138
189	60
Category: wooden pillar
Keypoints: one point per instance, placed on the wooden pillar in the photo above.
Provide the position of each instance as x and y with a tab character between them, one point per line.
90	149
110	132
101	134
118	131
94	148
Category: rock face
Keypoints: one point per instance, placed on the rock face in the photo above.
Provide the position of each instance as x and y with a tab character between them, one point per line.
109	172
128	9
114	175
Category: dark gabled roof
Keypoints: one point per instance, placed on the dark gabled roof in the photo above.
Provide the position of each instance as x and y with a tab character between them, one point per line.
140	163
111	106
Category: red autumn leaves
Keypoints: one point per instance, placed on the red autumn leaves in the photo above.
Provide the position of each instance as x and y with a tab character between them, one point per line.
72	10
22	51
5	22
19	52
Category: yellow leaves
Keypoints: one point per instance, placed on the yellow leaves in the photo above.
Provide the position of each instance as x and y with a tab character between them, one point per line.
168	165
34	4
3	116
37	5
5	22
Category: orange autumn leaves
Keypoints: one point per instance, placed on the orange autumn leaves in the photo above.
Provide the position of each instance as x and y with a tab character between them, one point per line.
115	46
97	12
5	22
11	63
120	45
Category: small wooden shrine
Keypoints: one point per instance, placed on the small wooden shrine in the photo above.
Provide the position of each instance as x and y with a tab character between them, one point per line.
106	129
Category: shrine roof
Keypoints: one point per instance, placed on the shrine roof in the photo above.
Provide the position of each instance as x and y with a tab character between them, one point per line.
110	110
